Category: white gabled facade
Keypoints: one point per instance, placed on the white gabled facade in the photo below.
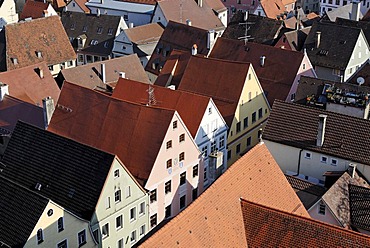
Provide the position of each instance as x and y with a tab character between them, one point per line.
8	12
175	180
212	137
121	214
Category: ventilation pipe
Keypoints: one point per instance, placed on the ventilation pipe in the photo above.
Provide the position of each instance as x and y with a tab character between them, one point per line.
317	39
321	130
194	49
262	61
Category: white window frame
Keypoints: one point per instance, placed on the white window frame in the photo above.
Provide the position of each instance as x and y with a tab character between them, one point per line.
118	243
84	235
324	159
141	213
102	233
121	223
141	229
332	163
116	173
133	241
308	155
134	217
119	196
66	240
128	191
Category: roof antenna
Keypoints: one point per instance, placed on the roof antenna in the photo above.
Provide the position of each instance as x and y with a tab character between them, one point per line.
246	37
151	98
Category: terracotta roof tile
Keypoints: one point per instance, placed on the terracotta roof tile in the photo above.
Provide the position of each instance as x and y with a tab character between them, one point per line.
266	226
217	82
276	82
177	36
191	107
33	9
113	126
273	8
47	35
145	33
36	88
89	75
345	136
215	218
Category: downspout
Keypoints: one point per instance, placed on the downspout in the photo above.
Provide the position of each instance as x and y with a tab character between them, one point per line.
299	163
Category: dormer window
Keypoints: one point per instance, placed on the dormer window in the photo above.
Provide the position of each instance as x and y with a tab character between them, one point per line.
100	30
84	29
73	26
94	42
14	60
110	31
106	44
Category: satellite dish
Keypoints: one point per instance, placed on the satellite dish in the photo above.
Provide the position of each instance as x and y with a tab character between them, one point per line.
360	80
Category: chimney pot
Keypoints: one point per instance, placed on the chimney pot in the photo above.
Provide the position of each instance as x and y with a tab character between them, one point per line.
200	3
122	74
131	25
188	22
194	49
317	39
262	61
352	169
321	130
4	90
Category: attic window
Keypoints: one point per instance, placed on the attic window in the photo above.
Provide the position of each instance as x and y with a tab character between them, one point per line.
84	29
343	42
73	26
100	30
110	31
71	193
323	52
106	44
93	42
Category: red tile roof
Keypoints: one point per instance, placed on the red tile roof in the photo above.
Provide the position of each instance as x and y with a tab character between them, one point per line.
215	218
278	73
191	107
34	9
45	35
220	79
113	126
266	226
144	34
273	8
26	84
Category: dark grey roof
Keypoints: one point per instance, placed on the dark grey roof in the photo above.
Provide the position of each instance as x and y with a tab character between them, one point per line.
314	92
296	125
20	209
364	25
75	23
262	29
359	200
364	72
71	174
336	45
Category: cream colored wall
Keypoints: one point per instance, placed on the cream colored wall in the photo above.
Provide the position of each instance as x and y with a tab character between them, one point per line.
49	224
8	11
287	159
245	108
104	215
327	218
356	61
160	175
57	67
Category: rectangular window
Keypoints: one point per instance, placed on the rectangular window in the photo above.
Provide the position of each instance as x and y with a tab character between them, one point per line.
195	193
308	155
142	230
167	187
182	137
110	31
153	196
128	191
205	174
133	214
213	146
221	143
96	235
63	244
228	155
174	125
60	224
238	127
120	243
81	238
80	58
205	151
183	178
89	59
249	141
153	220
168	211
324	159
133	236
107	202
245	123
169	144
125	17
84	29
237	149
322	208
260	115
334	162
105	231
119	222
254	117
40	236
195	171
51	67
182	201
142	208
99	30
117	196
169	164
182	156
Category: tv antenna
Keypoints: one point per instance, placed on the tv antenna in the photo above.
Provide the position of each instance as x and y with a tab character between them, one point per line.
151	98
246	37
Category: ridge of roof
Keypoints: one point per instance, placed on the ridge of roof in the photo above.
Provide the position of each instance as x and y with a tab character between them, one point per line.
266	226
36	156
301	132
217	210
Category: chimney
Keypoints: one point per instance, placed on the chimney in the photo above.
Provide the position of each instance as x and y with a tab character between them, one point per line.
102	73
122	74
321	130
39	72
355	13
4	90
262	61
210	39
131	25
317	39
48	105
352	169
194	49
200	3
98	11
188	22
